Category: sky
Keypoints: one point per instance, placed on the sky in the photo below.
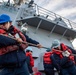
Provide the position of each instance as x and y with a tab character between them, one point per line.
64	8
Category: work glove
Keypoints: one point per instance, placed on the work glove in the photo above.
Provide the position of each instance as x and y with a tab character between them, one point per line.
24	27
66	53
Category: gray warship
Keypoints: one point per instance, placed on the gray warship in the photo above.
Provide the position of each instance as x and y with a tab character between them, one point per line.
43	26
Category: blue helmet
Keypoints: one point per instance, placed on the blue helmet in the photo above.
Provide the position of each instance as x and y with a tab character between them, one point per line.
4	18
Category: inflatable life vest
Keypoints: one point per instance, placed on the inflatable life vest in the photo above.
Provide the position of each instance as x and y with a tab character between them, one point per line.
64	47
38	73
58	53
31	59
2	31
46	58
10	48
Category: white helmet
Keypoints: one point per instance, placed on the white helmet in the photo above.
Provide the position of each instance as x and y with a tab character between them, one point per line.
29	48
24	27
55	43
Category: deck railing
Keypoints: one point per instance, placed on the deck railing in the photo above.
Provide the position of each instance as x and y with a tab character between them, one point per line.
52	16
45	13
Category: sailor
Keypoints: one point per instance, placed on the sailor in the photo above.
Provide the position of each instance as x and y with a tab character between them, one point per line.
48	63
62	56
29	59
12	55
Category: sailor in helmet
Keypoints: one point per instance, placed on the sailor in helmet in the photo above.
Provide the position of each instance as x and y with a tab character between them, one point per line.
12	48
12	57
62	55
29	59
